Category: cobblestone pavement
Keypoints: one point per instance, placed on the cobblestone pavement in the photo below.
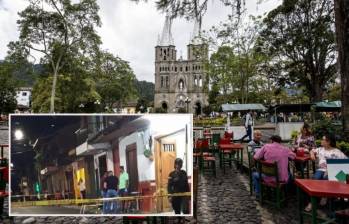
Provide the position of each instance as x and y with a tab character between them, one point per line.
226	199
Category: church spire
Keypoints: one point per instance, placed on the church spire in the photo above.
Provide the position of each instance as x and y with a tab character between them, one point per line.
196	34
166	38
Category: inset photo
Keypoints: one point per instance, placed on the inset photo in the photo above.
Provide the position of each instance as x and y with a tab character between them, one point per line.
92	165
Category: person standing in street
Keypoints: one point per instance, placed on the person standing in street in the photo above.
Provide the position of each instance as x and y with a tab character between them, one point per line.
111	184
123	185
178	183
248	126
82	188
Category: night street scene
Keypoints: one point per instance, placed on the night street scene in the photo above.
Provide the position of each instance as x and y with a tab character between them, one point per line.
96	164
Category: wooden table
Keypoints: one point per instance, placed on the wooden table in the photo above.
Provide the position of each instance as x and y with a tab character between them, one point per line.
230	148
319	188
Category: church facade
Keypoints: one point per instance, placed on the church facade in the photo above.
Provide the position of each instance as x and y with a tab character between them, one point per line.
179	84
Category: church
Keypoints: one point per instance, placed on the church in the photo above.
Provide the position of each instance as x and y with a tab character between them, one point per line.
179	84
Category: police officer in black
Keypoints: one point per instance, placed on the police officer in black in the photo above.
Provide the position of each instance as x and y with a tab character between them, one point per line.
178	183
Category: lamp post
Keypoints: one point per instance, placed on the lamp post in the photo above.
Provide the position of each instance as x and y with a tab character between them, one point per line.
187	101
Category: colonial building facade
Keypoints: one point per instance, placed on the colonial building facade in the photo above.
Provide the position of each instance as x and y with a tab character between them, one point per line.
179	84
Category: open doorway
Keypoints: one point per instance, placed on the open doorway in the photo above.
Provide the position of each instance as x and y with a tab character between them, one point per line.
198	108
164	106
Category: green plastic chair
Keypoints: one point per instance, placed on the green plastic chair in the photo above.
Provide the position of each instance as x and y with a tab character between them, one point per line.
271	170
215	142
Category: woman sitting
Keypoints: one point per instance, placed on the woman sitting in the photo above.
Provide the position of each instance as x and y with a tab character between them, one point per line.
327	150
305	139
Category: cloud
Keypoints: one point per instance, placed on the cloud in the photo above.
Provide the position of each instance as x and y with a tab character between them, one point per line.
130	30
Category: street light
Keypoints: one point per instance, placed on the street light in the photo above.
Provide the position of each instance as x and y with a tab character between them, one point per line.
18	134
187	101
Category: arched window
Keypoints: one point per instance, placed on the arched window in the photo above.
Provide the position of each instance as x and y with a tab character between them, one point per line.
195	81
200	81
186	68
167	81
181	84
175	69
162	81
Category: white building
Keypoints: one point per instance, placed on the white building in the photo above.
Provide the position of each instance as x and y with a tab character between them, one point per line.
23	96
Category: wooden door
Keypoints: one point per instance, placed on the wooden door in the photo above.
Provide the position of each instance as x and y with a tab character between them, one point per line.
167	159
132	167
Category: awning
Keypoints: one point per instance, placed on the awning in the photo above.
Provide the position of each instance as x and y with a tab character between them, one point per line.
86	149
328	106
288	108
242	107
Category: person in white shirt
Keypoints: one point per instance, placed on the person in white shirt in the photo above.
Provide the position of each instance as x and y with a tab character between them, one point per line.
248	126
327	151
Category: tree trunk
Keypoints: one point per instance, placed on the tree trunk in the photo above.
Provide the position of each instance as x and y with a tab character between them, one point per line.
53	91
317	93
342	34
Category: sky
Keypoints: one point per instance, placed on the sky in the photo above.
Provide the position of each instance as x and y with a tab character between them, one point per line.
130	30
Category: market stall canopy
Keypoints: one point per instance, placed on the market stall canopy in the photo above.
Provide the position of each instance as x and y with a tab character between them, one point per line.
242	107
324	106
288	108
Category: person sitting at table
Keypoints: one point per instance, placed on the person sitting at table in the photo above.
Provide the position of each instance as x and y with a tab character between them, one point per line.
273	152
305	139
327	150
256	143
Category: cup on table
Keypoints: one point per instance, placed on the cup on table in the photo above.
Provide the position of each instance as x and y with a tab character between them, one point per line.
300	151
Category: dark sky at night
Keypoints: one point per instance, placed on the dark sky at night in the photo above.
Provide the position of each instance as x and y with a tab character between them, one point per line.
34	127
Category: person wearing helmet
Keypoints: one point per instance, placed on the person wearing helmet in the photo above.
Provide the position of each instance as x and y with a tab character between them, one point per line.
178	183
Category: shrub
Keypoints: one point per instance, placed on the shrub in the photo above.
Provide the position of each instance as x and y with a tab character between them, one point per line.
294	135
343	146
324	126
182	111
160	110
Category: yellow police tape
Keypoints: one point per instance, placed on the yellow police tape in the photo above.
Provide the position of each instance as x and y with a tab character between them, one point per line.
91	201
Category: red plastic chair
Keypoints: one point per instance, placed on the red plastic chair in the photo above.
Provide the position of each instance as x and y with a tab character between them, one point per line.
224	141
229	135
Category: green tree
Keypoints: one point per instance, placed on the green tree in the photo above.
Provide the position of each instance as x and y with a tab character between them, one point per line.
141	106
7	88
145	90
299	35
76	93
56	28
115	80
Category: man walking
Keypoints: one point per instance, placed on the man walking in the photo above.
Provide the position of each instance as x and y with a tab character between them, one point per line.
123	185
178	183
111	184
248	126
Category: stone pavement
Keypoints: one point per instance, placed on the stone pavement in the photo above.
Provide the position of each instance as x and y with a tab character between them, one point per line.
226	199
